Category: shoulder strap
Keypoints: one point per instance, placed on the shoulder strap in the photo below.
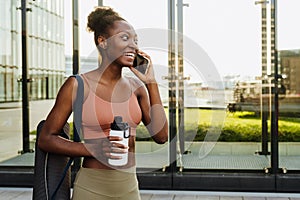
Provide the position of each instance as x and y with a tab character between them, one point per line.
77	110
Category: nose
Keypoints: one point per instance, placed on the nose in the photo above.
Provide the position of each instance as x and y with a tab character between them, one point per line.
134	45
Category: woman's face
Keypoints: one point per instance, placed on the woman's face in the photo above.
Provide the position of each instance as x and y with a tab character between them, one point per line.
122	44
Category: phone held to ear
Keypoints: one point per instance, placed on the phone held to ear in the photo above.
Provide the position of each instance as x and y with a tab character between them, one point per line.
141	63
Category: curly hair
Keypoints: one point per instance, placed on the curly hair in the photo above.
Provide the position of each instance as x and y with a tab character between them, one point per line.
100	20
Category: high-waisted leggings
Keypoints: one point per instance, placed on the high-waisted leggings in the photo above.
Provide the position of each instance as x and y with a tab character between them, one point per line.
101	184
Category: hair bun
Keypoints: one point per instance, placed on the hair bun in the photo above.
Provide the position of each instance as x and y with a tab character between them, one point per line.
101	18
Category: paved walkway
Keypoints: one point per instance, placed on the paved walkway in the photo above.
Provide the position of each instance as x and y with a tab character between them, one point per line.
26	194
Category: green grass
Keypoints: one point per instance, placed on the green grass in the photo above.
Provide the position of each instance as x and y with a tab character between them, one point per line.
232	127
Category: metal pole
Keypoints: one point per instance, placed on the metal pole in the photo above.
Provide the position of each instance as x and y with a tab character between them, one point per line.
274	114
100	2
25	101
75	16
265	111
264	103
180	75
172	86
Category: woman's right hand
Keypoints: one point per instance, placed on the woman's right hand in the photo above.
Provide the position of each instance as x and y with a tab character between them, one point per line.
103	148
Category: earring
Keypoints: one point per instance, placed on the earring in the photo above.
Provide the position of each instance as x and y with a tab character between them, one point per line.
103	45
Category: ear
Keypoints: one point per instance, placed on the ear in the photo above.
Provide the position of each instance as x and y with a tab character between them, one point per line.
102	42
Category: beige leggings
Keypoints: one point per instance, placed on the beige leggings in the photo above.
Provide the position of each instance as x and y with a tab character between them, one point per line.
100	184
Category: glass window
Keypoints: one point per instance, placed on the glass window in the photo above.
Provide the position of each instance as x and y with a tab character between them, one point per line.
50	56
33	52
46	55
228	46
224	84
38	22
48	5
44	24
53	6
16	89
41	59
61	33
3	10
29	22
2	84
29	52
289	85
152	38
8	84
56	55
2	40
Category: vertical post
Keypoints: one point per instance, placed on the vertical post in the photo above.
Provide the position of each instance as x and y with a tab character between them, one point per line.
264	135
274	112
264	52
100	2
75	37
180	75
47	87
172	86
264	82
25	100
75	16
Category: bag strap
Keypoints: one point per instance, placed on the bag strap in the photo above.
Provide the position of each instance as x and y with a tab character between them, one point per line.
77	110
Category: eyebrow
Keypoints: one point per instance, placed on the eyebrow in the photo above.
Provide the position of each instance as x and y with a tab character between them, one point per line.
128	32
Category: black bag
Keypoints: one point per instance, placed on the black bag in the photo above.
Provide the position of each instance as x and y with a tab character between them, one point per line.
52	174
49	170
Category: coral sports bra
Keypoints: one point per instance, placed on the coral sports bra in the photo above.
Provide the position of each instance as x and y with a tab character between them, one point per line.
98	114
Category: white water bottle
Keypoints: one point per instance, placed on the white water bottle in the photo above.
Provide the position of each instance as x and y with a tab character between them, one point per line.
120	129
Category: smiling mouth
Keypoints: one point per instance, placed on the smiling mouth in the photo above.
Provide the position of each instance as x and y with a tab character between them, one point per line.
131	55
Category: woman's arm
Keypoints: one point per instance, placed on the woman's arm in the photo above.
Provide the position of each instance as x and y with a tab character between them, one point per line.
49	139
154	116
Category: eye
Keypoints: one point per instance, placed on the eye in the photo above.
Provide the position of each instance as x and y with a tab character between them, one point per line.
136	41
125	37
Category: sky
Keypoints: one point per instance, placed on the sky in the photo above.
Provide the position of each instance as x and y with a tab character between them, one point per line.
228	31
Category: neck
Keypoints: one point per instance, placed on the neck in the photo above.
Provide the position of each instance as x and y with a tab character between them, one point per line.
110	72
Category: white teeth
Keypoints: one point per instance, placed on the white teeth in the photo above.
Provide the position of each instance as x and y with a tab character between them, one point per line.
129	54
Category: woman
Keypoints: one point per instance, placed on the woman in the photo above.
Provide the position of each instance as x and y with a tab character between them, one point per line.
107	94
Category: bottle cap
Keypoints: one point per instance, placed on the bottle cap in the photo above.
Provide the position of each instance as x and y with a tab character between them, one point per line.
118	124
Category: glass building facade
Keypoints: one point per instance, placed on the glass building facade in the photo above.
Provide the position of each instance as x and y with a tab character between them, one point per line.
45	49
228	76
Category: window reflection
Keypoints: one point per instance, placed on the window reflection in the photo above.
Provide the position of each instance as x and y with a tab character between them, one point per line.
238	43
46	67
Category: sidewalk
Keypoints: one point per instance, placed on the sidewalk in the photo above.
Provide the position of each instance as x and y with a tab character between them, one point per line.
26	194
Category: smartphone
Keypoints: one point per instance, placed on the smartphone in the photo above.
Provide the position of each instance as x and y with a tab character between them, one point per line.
141	63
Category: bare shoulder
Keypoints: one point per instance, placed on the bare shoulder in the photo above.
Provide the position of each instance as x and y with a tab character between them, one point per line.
68	89
70	83
62	108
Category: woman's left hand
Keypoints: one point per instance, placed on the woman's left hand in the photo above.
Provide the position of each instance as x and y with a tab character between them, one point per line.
148	77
